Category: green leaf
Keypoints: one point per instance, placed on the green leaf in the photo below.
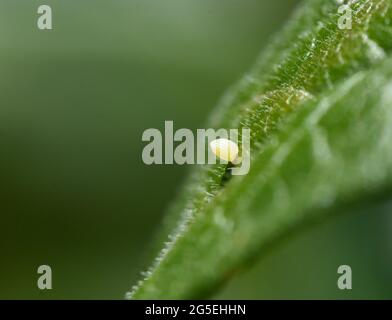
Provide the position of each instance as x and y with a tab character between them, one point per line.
319	106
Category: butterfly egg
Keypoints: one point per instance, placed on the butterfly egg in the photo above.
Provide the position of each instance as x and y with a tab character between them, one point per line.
225	149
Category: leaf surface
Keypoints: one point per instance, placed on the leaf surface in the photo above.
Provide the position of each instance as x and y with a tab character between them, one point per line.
319	106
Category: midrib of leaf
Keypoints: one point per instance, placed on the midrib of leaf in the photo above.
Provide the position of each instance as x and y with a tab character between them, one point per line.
312	59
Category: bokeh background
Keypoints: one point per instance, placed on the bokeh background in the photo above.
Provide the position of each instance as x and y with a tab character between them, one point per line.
74	193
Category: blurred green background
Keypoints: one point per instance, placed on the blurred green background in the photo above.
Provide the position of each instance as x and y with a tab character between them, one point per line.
75	194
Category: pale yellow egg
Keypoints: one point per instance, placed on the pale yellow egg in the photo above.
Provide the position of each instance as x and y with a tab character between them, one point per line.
225	149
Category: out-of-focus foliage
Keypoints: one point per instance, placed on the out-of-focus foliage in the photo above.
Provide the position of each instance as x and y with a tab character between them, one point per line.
74	102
